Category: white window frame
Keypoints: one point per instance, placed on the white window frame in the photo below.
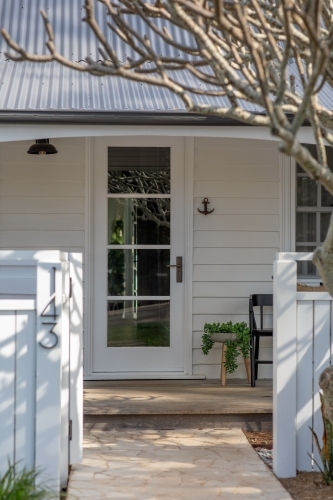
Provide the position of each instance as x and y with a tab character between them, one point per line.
287	167
288	209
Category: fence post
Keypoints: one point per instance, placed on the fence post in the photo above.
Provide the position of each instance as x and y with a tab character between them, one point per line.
284	367
48	372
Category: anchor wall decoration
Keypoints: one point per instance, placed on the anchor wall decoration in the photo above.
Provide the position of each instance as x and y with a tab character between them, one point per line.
205	211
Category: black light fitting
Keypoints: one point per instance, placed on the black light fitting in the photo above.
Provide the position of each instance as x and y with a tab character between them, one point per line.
42	147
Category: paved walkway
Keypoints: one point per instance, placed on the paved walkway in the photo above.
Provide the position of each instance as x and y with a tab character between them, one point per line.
172	465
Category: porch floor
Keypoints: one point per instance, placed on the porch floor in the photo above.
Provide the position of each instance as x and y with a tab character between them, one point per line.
178	403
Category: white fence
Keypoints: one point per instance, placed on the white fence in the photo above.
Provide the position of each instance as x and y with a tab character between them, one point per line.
41	362
302	350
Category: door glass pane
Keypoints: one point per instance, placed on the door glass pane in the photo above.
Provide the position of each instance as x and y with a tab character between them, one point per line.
138	272
324	223
139	170
306	192
305	227
139	221
138	323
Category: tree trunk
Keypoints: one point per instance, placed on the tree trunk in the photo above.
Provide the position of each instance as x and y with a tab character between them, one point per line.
326	384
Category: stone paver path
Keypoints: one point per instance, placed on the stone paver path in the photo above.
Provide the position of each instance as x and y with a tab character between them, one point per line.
172	465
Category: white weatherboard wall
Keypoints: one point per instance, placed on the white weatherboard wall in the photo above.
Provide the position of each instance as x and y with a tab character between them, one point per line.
234	248
42	198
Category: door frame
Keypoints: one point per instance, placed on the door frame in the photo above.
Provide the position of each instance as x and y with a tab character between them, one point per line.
188	265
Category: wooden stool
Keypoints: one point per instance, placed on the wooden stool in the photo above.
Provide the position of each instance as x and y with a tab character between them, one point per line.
223	377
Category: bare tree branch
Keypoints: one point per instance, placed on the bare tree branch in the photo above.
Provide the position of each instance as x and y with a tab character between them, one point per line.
241	51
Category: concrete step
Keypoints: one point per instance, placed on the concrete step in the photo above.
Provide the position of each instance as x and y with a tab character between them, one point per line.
244	421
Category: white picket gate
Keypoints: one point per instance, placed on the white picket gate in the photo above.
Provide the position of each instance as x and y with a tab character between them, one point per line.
302	350
41	362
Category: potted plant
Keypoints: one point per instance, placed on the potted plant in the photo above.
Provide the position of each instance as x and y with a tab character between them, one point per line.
236	340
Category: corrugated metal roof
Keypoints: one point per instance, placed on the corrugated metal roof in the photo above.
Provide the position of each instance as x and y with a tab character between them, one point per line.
51	87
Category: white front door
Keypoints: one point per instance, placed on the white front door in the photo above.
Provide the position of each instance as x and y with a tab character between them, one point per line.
138	231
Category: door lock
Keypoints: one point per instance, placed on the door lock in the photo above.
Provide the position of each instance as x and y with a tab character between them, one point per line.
179	267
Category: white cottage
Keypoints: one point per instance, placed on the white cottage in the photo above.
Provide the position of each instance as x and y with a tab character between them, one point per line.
131	172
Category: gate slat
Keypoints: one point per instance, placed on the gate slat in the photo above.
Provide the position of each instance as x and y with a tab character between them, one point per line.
65	361
76	354
7	388
304	384
25	388
321	360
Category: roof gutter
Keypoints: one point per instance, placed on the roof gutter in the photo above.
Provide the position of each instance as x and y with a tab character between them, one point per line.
113	118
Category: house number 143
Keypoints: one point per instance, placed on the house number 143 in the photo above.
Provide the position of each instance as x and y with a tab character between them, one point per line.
50	311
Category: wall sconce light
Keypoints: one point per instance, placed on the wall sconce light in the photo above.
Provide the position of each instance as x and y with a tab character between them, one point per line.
42	147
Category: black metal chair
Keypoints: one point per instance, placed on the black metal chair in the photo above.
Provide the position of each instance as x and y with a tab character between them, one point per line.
261	301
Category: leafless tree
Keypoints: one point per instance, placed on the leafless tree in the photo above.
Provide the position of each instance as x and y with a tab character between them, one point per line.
241	50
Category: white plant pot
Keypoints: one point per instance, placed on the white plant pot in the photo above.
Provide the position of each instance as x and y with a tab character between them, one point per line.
222	337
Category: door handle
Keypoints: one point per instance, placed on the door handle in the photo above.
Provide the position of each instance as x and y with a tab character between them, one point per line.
179	267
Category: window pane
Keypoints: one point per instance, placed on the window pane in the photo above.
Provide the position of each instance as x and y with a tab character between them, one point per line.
305	227
139	221
326	198
306	269
306	192
138	323
324	223
138	272
139	170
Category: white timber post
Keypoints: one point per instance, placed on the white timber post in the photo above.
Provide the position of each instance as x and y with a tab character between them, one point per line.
65	371
76	357
48	372
284	367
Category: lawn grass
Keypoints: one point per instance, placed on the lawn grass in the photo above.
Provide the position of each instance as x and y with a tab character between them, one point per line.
141	334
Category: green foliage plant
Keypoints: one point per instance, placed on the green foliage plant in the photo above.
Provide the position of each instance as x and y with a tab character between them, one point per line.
241	345
326	452
21	485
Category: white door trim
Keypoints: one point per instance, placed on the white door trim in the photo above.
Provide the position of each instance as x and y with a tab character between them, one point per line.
89	303
145	376
189	203
88	257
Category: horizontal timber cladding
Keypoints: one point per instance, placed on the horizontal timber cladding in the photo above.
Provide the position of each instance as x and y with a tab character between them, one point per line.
234	248
237	222
240	256
42	198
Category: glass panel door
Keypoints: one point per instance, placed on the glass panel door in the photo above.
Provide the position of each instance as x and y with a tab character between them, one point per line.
138	233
